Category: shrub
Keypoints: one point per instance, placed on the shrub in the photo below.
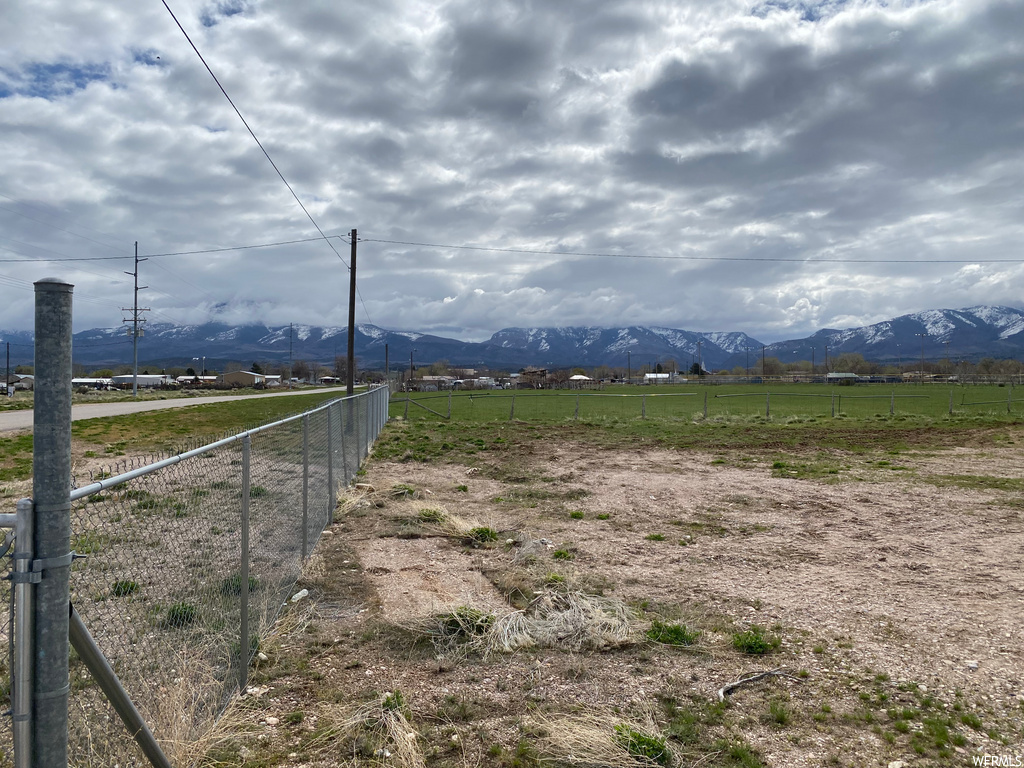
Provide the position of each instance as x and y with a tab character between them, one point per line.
642	746
756	641
181	615
672	634
124	587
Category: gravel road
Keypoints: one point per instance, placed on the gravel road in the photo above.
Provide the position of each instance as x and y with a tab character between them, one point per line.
19	420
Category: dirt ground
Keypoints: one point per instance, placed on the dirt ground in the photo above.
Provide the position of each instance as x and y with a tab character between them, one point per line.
888	589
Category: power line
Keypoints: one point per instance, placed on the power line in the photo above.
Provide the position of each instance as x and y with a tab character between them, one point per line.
253	134
236	248
61	229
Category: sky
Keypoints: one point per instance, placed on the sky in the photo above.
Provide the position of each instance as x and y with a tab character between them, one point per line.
767	166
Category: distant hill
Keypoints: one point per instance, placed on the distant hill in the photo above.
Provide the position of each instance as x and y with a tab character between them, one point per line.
966	334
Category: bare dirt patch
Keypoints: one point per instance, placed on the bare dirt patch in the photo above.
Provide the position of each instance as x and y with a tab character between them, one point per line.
896	602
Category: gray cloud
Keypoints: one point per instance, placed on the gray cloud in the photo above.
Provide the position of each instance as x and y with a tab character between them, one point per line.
736	129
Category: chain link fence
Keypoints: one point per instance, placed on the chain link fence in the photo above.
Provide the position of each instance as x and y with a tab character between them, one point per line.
184	564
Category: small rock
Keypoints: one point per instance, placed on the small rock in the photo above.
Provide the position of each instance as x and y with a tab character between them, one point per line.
365	487
971	664
301	594
896	764
272	721
262	656
327	532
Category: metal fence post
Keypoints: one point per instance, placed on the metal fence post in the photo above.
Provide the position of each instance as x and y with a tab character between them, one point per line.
833	405
951	402
768	405
577	414
21	674
705	403
512	413
332	494
104	675
51	492
643	406
305	486
360	437
892	403
243	573
342	423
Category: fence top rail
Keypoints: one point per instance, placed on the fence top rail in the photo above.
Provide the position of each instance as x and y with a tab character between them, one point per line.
110	482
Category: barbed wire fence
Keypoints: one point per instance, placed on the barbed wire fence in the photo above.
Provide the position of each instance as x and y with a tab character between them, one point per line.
178	570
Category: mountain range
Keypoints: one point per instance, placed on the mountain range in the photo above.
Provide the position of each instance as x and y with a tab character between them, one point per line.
953	334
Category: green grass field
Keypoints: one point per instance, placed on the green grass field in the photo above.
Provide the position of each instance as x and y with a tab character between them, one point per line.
161	431
774	402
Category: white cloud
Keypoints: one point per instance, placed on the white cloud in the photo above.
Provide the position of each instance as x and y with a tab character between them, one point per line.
784	131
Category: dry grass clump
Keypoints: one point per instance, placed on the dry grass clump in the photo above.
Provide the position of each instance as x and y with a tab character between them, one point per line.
377	733
605	739
568	620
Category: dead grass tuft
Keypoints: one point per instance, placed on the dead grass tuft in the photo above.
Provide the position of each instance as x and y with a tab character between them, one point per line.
567	620
605	739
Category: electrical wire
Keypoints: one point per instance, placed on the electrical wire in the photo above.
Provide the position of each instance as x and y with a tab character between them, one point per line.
253	134
61	229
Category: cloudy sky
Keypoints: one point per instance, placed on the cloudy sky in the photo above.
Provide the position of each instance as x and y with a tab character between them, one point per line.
773	167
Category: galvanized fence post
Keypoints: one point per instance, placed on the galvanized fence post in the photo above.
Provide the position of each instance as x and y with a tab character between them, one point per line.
705	403
21	674
305	486
833	405
332	495
951	402
243	575
892	403
768	405
512	413
577	414
342	422
359	439
643	406
51	492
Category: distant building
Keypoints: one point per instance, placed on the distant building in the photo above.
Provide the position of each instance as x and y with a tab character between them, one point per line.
148	380
244	378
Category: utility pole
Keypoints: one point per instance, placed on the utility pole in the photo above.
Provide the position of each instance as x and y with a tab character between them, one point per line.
923	337
629	368
7	387
762	362
351	378
826	358
410	364
700	361
135	319
812	361
289	355
387	366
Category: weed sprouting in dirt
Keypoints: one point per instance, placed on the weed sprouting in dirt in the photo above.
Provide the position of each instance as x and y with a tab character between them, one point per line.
672	634
756	641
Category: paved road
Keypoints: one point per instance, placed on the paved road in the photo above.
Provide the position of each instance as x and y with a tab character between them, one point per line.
15	420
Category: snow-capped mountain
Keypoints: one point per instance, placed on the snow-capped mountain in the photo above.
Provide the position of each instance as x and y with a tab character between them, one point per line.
965	334
935	334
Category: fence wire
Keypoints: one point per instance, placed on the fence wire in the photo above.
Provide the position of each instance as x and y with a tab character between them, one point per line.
160	586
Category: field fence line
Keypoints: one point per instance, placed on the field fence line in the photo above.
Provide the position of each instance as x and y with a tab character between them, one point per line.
182	566
871	401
